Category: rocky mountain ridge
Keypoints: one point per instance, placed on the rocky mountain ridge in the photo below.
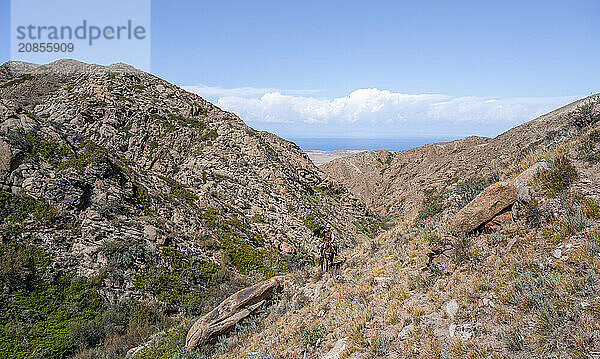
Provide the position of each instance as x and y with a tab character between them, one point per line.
394	183
147	192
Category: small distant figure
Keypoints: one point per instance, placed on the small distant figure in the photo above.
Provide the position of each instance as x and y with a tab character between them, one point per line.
328	249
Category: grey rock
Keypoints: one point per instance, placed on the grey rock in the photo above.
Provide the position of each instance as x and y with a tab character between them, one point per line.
406	331
6	157
523	181
337	351
452	308
490	202
230	312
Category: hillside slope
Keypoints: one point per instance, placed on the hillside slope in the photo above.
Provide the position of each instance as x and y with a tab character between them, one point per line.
526	288
394	183
132	189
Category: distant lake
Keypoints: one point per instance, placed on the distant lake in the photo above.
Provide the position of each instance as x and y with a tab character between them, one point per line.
390	144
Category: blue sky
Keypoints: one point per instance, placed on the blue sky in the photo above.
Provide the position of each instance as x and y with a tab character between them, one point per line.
376	68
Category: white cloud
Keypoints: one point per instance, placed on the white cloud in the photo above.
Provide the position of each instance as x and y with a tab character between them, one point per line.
374	105
216	92
393	112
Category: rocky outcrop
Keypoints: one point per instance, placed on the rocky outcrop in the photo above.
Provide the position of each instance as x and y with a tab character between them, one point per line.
230	312
523	181
484	207
6	157
137	168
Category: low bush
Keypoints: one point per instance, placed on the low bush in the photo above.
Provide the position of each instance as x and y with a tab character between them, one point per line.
311	335
466	191
587	148
433	203
16	208
559	177
125	253
586	113
183	277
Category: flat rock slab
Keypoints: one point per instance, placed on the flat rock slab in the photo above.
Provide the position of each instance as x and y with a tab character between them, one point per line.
230	312
485	206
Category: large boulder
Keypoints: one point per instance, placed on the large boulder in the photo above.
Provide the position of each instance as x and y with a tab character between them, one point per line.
523	181
485	206
230	312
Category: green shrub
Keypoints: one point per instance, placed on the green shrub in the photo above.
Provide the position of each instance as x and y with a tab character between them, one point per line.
18	208
125	253
187	122
17	81
299	259
246	258
39	148
587	149
466	191
210	135
142	198
311	335
369	226
179	191
559	177
585	113
312	221
433	203
90	154
181	275
36	315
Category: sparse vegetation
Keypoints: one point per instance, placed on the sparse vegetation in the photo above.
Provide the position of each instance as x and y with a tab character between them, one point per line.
587	149
559	177
179	191
466	191
17	81
19	208
586	113
433	203
310	336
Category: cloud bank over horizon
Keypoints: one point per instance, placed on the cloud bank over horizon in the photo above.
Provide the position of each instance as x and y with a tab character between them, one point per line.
372	112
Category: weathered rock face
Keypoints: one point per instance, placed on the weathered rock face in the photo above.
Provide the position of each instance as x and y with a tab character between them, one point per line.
6	157
139	171
230	312
485	206
523	181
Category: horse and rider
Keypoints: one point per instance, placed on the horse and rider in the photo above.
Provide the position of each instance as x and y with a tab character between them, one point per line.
328	249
